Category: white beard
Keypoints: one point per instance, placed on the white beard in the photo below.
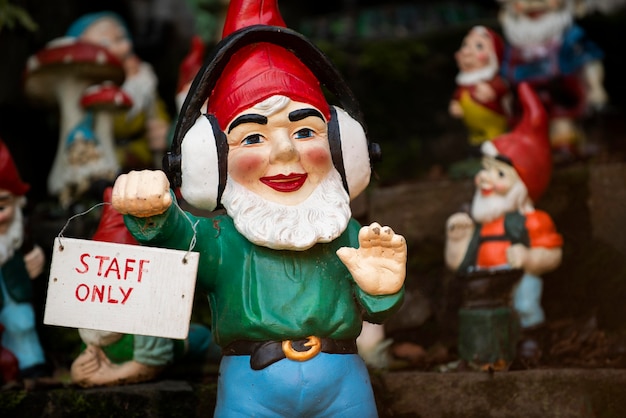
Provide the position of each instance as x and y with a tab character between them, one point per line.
469	78
13	238
524	32
322	217
489	208
142	88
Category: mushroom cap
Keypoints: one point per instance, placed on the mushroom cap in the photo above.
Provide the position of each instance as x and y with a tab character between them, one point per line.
69	57
106	96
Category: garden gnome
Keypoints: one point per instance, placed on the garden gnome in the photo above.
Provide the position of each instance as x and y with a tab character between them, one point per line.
289	274
112	358
505	231
549	51
19	263
482	96
141	133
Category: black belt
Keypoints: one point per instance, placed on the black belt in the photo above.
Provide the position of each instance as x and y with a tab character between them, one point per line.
264	353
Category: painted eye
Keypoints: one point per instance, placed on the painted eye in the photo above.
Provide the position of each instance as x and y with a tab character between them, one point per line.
252	140
501	174
480	46
304	133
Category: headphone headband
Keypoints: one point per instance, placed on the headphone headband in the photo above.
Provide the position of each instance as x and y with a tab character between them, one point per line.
204	82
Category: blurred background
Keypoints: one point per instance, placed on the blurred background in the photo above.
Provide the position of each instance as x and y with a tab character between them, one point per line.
398	58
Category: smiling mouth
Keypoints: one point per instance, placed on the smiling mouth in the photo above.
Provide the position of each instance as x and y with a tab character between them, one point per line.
535	13
486	192
285	183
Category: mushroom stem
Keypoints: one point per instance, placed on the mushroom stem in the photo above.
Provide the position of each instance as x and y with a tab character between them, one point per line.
68	91
103	128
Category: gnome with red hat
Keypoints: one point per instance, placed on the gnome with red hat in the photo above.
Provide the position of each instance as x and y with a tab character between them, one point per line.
18	265
112	358
505	231
290	275
481	97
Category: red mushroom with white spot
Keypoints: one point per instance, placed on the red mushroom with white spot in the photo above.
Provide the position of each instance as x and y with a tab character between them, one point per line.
104	100
58	75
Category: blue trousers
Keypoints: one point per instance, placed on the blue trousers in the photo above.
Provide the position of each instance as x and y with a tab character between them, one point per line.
328	385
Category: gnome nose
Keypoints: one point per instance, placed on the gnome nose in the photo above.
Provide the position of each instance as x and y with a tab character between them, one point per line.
283	149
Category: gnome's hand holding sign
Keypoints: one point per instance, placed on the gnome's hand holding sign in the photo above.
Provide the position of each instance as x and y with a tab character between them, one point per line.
290	275
142	193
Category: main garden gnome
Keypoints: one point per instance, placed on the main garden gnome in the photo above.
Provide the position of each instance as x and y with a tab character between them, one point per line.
289	274
505	231
20	262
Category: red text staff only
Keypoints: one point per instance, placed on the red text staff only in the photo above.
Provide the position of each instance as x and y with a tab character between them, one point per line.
108	267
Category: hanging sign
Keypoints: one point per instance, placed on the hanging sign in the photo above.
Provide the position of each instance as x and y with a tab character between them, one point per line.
129	289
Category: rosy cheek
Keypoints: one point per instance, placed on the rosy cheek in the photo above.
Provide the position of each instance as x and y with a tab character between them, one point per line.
501	187
317	157
483	57
246	167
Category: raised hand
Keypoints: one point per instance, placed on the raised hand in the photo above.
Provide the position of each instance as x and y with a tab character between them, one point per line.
379	264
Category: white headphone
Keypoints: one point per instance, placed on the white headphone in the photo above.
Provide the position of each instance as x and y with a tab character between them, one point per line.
198	159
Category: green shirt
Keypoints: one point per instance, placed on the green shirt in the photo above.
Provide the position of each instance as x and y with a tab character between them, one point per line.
256	293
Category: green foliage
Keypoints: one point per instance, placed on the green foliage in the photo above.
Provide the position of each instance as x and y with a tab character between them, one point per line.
12	16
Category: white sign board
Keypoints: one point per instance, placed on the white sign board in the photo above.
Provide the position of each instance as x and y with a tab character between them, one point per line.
122	288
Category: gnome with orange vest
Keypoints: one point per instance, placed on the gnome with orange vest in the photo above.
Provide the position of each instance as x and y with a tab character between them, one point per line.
20	261
289	274
505	231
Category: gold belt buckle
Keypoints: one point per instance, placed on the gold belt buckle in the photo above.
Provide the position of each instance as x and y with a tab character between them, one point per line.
314	344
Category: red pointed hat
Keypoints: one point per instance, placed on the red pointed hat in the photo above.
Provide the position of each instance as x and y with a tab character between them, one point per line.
9	176
527	147
498	43
259	71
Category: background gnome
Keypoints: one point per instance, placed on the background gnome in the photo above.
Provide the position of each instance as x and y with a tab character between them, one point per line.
504	229
547	49
20	261
141	132
289	274
112	358
482	96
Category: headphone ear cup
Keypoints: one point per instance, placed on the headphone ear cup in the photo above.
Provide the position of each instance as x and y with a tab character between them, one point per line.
357	167
202	163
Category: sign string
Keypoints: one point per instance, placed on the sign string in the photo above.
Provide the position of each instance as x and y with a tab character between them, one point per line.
192	243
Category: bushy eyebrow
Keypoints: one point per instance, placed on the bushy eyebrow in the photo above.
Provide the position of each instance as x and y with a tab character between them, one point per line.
300	114
248	118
